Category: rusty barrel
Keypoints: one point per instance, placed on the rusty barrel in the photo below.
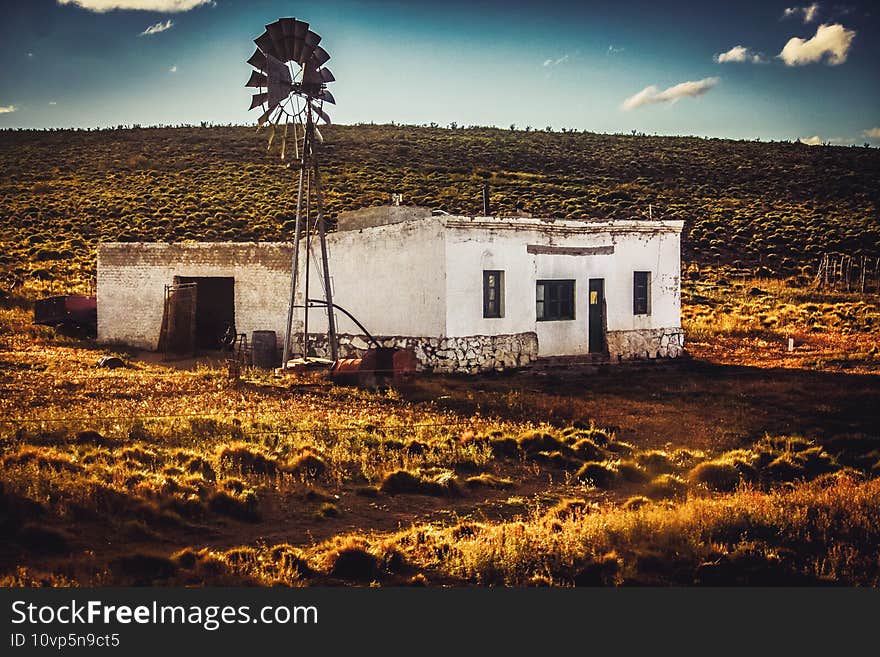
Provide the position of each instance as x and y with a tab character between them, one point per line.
264	349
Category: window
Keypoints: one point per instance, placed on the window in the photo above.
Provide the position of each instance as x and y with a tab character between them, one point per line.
493	293
554	300
641	293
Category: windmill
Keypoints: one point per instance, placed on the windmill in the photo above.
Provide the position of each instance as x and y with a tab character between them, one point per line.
292	83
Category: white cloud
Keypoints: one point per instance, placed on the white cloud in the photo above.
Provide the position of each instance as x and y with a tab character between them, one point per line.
173	69
612	50
156	28
873	133
808	13
831	40
53	102
672	94
556	62
166	6
7	109
738	54
815	140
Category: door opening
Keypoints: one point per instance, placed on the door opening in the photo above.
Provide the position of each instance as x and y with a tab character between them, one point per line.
597	316
215	309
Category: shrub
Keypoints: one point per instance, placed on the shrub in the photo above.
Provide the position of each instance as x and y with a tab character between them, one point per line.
624	450
597	474
504	446
666	486
244	459
587	450
417	483
655	461
353	563
631	472
538	441
307	465
241	507
487	480
570	508
636	502
715	475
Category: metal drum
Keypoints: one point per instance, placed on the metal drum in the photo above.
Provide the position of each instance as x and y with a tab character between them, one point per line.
264	348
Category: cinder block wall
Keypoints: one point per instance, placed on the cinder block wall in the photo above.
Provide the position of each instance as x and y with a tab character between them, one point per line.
132	279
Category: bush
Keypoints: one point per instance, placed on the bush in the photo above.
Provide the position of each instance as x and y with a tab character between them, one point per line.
244	459
353	563
715	475
597	474
587	450
666	486
416	483
538	441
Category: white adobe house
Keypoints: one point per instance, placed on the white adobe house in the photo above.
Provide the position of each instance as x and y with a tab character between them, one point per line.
468	294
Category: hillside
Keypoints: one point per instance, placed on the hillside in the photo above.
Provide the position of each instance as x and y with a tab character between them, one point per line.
774	206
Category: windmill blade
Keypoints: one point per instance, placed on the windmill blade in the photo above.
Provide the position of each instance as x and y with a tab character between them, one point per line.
300	29
258	99
256	80
319	136
320	56
327	97
258	60
264	43
279	82
264	116
327	75
321	113
288	29
311	78
309	44
276	33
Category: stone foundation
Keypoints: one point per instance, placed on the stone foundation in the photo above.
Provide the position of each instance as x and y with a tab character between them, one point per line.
646	343
468	355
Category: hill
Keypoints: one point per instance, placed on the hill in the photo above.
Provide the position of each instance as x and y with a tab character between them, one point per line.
770	207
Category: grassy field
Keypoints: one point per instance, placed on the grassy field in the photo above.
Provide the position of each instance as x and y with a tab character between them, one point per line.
693	472
771	207
746	463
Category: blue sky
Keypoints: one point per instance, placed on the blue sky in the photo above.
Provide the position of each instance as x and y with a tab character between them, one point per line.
787	70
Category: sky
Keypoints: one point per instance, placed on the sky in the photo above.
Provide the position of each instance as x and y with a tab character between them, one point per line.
745	70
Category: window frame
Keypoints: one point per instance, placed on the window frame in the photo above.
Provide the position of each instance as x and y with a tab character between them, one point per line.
641	304
565	294
498	313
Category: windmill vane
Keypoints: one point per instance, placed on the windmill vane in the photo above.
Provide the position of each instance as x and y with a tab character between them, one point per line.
290	75
291	80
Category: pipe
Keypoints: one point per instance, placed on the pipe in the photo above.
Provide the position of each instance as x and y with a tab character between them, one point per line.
321	302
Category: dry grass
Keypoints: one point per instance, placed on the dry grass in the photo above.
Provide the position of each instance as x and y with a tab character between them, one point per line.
113	473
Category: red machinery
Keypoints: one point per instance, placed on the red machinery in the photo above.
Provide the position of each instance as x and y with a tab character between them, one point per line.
380	367
72	311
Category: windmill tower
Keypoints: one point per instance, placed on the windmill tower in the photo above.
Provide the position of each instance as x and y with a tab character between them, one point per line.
292	88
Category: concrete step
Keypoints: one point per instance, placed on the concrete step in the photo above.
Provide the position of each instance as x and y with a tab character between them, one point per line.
561	362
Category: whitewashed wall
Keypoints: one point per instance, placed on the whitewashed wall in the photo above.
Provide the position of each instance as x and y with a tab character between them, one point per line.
476	244
420	278
392	278
132	278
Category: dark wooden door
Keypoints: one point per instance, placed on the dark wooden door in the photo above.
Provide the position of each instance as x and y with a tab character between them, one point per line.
597	316
178	333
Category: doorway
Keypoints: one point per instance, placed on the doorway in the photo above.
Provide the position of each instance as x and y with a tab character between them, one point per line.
215	308
597	316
